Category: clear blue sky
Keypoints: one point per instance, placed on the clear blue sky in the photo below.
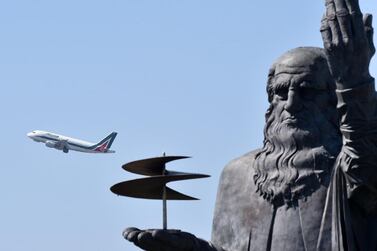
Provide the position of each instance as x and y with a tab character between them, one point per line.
183	77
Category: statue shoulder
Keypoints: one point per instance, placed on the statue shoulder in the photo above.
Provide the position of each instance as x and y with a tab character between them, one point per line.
238	207
239	166
237	177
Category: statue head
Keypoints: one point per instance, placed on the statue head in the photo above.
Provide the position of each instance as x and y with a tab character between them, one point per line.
301	135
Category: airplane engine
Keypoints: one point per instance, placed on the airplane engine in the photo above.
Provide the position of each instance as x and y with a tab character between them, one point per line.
50	144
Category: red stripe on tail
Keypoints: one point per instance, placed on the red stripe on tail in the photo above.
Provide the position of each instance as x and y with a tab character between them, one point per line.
102	148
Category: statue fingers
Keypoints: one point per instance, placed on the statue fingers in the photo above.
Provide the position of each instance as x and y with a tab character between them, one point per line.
353	7
333	24
368	19
131	234
326	33
146	242
344	23
356	19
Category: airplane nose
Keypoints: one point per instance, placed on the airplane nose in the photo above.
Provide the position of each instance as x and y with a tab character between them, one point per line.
30	135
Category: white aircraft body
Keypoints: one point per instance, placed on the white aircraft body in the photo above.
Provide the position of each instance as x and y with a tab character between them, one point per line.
65	143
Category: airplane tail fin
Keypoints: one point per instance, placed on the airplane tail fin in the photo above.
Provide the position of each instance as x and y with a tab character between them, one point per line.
104	145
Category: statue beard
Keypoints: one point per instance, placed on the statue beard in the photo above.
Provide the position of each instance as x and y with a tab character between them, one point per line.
297	156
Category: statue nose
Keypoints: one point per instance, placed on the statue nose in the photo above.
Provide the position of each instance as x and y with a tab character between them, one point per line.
293	103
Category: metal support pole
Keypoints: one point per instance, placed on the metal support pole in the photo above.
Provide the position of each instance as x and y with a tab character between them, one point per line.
164	209
164	205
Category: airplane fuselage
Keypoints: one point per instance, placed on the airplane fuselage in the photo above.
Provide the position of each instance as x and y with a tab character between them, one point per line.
65	143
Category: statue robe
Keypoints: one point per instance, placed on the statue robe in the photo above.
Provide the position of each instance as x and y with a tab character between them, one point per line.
339	216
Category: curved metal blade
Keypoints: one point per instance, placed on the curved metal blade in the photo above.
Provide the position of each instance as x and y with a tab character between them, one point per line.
151	166
152	187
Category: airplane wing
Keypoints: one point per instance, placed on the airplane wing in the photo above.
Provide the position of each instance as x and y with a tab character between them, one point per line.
62	145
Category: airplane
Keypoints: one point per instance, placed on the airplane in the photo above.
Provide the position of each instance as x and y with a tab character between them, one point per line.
65	143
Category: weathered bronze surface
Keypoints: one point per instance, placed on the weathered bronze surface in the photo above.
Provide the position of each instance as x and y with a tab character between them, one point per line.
152	187
313	183
155	187
151	166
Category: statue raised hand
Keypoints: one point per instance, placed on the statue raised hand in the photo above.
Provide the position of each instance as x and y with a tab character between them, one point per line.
348	41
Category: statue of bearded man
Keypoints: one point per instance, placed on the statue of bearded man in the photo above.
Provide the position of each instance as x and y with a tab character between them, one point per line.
313	184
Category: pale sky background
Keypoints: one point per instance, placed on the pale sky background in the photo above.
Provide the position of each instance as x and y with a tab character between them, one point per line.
185	77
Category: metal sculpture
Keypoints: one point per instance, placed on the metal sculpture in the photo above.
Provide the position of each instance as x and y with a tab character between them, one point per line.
154	187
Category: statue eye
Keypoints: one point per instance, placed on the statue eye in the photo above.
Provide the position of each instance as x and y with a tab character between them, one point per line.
307	93
281	92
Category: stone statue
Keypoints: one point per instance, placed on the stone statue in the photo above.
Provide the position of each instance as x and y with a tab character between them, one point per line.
313	184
